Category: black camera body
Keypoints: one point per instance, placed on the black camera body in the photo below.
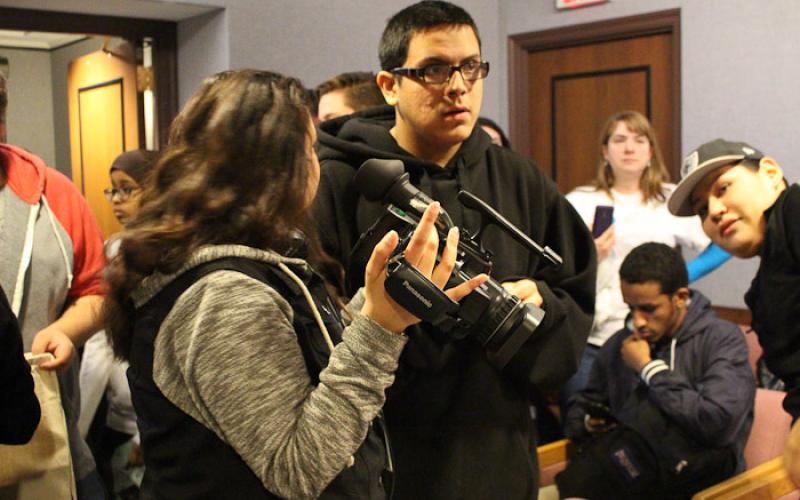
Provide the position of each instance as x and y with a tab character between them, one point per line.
490	315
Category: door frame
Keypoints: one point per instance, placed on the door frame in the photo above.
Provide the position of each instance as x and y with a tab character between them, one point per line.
519	46
163	33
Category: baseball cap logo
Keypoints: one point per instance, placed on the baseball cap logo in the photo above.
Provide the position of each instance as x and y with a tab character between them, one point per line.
689	164
748	151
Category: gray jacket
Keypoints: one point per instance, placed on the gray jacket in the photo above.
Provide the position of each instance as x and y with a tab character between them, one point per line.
226	354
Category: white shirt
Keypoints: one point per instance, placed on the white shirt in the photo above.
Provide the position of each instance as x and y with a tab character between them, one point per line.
635	222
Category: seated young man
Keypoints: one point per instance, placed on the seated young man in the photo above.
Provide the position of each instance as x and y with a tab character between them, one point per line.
747	209
669	404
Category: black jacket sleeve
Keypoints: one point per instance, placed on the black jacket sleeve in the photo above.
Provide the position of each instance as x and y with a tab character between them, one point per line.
790	372
552	353
19	408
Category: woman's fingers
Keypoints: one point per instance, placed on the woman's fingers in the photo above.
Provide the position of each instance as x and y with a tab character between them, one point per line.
443	271
424	243
63	355
56	343
427	259
380	256
607	238
459	292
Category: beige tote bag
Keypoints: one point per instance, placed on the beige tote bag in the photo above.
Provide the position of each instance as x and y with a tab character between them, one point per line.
43	467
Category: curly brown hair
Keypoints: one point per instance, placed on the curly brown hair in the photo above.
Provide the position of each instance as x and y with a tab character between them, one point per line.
235	171
653	177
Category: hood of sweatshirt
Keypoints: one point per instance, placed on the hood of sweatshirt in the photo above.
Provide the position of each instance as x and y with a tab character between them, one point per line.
25	172
697	317
364	135
156	282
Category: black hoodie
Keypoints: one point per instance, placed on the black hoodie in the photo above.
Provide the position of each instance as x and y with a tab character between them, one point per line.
460	427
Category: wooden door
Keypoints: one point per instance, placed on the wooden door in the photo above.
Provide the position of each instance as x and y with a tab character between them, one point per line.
567	91
103	122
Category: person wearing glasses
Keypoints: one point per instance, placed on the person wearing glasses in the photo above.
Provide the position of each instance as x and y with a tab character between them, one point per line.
128	173
51	262
460	427
107	415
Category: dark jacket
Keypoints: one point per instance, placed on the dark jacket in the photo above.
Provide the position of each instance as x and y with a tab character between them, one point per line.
704	401
460	427
20	409
774	295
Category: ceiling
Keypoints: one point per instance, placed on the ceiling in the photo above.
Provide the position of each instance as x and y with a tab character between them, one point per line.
36	39
145	9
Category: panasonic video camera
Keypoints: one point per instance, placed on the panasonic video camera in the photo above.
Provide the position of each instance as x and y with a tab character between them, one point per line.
490	315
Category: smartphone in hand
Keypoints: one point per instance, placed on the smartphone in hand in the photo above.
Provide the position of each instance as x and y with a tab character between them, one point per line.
603	218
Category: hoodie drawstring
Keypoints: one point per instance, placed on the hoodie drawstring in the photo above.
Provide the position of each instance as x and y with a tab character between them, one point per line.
672	353
61	245
27	253
25	260
311	303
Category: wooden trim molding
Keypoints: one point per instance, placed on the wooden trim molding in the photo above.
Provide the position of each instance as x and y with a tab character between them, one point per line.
164	35
519	46
735	315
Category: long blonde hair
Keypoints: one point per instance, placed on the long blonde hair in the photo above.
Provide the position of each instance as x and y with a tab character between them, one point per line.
653	176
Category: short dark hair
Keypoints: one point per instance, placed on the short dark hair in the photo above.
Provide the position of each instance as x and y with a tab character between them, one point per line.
422	16
361	89
655	262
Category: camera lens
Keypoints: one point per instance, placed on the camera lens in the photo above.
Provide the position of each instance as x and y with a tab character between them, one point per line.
506	323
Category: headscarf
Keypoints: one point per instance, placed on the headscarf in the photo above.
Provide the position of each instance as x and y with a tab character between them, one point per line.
136	163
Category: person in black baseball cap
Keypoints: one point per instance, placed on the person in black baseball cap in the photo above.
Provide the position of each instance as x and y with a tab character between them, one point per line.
729	185
747	207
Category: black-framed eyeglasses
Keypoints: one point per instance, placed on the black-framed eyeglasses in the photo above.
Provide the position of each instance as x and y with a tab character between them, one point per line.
441	73
122	193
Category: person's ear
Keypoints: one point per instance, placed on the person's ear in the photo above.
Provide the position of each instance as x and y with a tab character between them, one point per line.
388	85
681	297
771	172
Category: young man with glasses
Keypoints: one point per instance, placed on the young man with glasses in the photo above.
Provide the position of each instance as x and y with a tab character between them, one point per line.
460	427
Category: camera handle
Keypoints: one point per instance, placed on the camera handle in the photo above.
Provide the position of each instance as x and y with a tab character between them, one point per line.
416	293
491	216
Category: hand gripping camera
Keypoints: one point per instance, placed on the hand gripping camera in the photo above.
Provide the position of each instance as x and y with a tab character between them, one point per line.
490	315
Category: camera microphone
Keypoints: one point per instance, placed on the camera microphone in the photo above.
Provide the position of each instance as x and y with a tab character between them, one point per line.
388	181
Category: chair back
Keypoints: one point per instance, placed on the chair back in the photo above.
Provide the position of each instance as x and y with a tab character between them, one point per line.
754	350
771	425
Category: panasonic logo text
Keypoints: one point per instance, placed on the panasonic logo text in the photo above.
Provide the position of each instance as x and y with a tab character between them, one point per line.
416	294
